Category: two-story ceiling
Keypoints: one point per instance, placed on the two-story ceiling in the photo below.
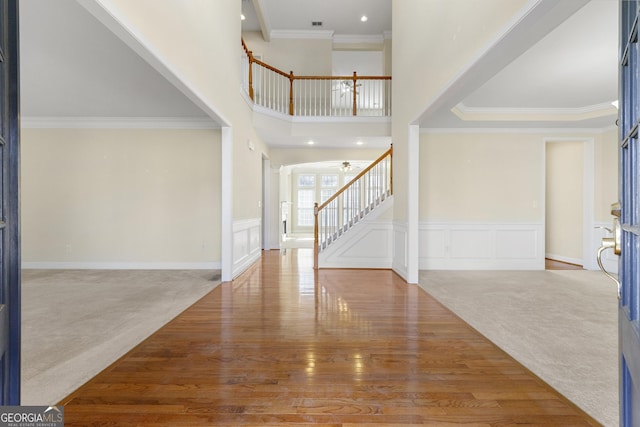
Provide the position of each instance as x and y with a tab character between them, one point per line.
72	66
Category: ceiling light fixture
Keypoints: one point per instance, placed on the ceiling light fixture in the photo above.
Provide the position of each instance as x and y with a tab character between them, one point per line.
359	143
242	17
364	18
346	166
310	142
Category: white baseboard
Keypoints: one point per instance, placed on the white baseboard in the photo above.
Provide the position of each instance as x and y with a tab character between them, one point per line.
45	265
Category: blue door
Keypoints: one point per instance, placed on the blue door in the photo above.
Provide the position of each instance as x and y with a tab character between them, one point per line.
9	204
629	272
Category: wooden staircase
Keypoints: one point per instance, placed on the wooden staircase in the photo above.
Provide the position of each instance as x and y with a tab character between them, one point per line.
352	203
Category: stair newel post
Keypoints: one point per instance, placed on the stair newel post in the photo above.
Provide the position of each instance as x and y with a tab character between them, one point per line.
315	236
291	78
250	55
391	170
355	94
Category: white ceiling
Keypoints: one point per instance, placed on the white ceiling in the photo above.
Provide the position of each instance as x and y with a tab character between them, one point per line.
340	17
71	66
567	79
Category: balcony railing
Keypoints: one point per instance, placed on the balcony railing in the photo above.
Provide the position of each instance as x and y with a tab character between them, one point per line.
315	96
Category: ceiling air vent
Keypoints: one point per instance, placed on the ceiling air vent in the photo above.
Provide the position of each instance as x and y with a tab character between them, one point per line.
316	23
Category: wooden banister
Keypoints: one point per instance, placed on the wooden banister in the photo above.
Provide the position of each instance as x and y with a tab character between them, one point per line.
348	220
266	97
337	194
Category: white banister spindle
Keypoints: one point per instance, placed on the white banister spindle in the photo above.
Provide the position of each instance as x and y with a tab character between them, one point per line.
316	96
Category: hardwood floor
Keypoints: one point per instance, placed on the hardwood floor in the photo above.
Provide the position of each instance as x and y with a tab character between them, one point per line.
550	264
282	345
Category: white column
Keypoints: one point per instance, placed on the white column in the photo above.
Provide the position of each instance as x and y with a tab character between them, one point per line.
413	197
227	204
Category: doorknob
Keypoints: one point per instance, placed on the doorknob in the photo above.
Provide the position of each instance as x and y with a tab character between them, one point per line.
613	242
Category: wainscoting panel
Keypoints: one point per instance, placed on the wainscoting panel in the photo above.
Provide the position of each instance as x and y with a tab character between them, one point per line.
509	244
470	244
399	263
368	245
463	246
433	242
246	244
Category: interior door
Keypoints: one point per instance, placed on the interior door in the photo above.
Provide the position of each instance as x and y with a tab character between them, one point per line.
9	206
629	271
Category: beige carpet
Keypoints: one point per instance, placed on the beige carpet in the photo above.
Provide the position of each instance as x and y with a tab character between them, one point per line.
76	323
562	325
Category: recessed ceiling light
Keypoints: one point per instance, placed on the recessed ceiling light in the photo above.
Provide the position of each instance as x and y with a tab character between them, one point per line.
310	142
359	143
242	17
364	18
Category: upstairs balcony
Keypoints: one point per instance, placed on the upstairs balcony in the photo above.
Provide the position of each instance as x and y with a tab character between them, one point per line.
314	96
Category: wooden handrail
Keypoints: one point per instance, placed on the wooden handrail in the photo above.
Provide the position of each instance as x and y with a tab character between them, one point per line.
342	77
244	46
290	75
318	208
354	78
270	68
337	194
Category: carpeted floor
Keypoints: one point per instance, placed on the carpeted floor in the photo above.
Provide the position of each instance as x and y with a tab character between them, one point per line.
75	323
562	325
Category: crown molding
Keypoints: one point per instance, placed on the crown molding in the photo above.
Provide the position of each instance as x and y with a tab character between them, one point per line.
330	35
301	34
359	38
117	123
556	131
533	114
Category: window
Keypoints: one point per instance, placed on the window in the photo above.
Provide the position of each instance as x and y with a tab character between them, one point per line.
306	180
329	187
310	188
329	181
306	199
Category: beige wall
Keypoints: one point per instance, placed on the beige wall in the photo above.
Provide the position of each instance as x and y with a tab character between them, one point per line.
302	56
606	170
432	41
293	156
482	177
308	56
500	177
120	196
247	173
180	35
564	200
